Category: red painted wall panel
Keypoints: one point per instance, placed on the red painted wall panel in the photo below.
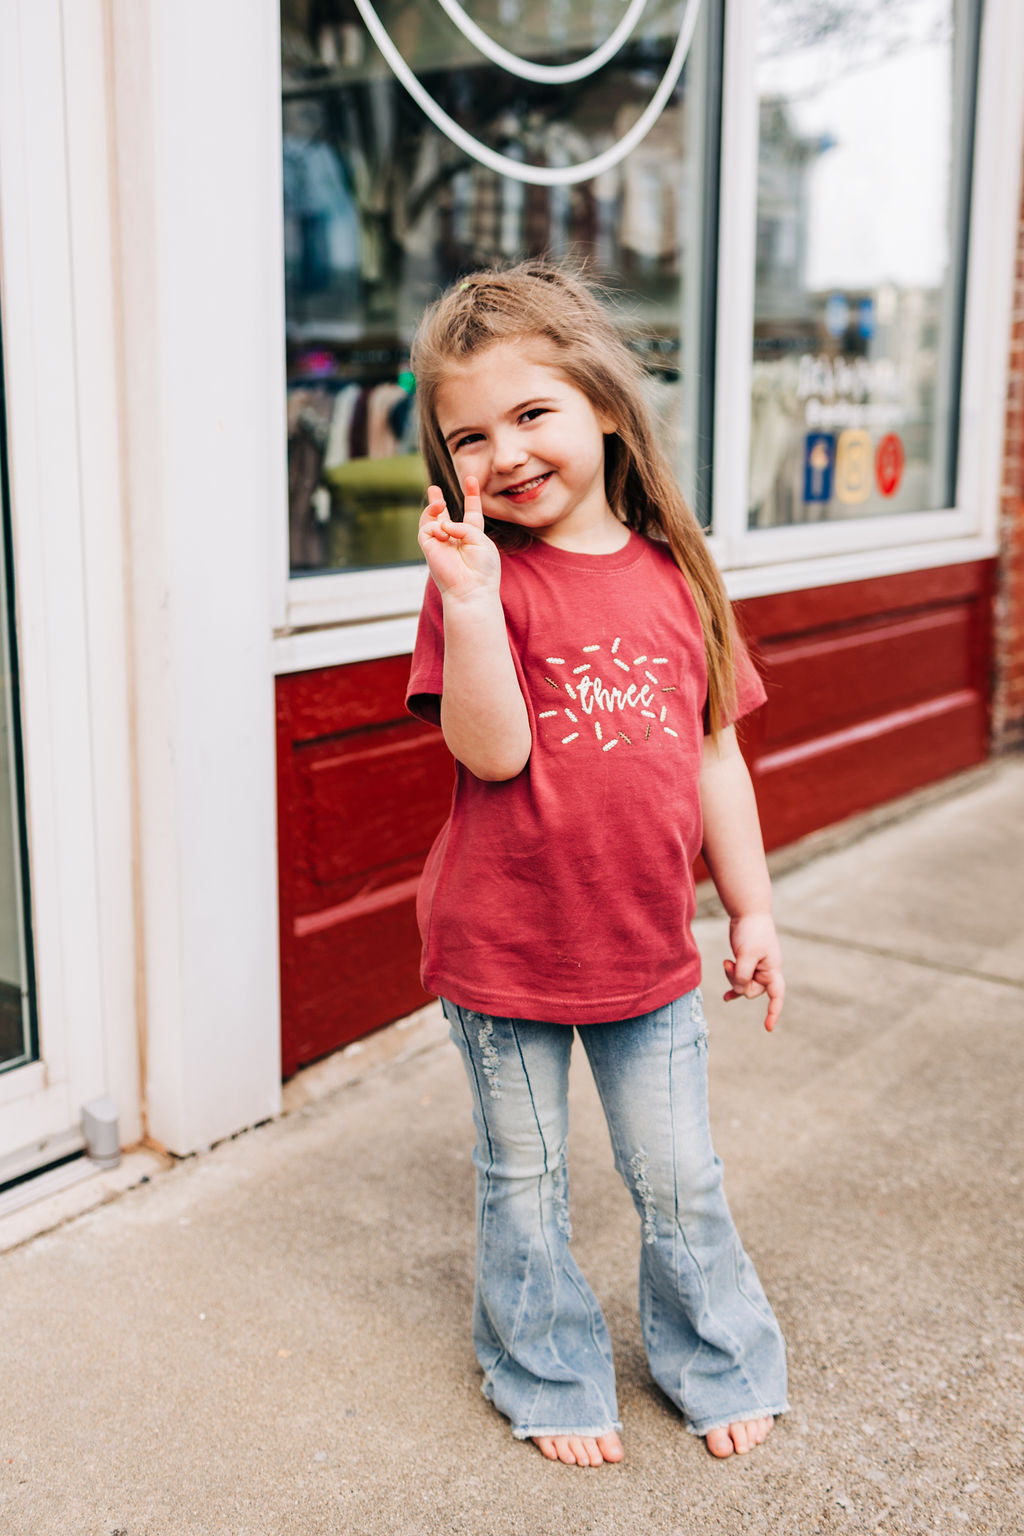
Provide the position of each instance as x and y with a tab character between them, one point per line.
839	678
362	789
828	778
874	688
365	798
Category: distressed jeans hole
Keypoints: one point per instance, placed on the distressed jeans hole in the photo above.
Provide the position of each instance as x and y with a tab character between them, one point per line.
560	1196
490	1059
638	1166
697	1018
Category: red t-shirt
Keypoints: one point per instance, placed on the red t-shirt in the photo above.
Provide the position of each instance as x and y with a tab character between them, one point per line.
566	894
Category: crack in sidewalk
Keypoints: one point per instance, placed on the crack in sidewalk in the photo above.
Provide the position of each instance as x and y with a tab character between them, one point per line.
880	951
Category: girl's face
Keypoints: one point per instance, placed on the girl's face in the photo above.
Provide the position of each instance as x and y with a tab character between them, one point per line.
532	439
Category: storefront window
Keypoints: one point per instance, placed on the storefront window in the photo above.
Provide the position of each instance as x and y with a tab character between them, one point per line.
383	210
866	113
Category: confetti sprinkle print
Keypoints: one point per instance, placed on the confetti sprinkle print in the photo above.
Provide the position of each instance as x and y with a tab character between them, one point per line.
597	699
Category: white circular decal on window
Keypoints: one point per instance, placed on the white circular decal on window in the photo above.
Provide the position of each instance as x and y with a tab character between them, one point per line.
552	74
537	175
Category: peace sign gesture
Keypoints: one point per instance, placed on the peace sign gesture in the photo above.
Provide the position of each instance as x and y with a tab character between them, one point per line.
463	561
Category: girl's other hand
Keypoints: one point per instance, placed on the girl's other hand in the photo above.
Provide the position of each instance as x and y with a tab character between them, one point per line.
757	967
463	561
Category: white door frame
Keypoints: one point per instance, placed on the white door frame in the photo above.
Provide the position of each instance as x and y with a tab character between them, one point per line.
139	173
196	90
58	306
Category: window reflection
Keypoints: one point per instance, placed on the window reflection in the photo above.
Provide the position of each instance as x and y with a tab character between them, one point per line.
382	211
861	210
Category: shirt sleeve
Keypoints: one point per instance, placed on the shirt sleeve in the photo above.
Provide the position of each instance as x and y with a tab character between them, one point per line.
750	691
426	675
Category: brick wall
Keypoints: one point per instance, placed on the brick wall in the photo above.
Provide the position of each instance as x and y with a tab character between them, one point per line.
1008	694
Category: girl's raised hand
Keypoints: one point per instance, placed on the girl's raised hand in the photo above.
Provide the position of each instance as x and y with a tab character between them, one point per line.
463	561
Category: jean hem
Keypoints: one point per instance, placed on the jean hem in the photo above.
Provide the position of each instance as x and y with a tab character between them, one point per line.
522	1432
702	1428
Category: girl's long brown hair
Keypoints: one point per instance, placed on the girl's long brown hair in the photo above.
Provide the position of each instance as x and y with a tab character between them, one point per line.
538	300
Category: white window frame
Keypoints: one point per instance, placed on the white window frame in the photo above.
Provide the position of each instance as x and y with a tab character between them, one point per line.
762	561
348	616
62	439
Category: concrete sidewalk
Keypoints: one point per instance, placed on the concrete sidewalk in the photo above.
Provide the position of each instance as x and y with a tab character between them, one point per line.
274	1337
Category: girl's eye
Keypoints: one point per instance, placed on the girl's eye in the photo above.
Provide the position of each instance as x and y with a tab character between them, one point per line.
464	442
533	413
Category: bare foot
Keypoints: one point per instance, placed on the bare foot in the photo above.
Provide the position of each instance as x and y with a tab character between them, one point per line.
741	1437
580	1450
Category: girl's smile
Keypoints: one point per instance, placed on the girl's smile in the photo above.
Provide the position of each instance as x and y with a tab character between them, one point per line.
535	443
526	491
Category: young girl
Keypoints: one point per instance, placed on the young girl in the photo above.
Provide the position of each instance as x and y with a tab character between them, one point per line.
577	650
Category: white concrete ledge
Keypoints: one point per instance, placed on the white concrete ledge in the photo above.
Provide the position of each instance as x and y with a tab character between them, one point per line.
48	1201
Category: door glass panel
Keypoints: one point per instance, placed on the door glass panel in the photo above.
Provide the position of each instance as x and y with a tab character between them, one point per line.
17	1026
383	211
866	113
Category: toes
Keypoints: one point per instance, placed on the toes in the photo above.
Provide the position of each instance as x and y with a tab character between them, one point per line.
546	1445
580	1450
719	1442
741	1438
757	1431
585	1451
610	1447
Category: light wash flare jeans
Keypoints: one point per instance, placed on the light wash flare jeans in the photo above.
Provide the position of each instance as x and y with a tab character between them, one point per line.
711	1338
